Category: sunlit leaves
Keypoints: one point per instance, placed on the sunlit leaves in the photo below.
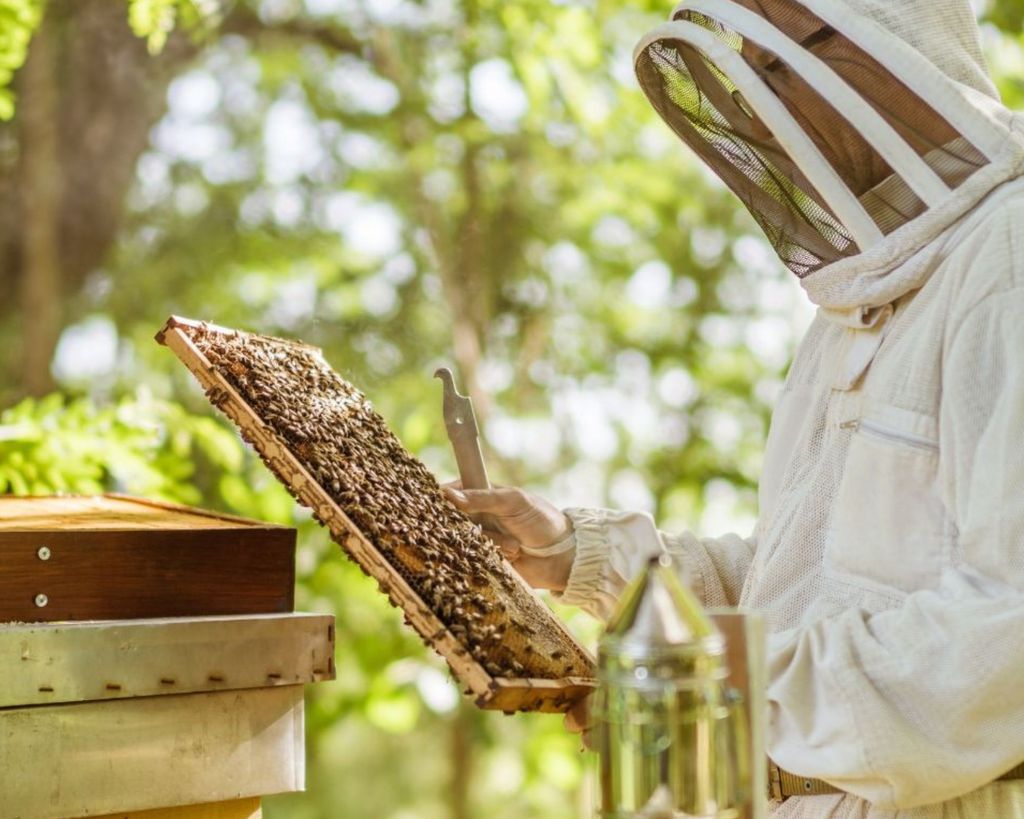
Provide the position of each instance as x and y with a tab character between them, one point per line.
393	704
154	20
18	20
138	444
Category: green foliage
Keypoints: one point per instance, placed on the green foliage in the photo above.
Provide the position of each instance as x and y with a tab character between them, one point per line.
405	185
138	444
1006	49
154	20
1007	15
18	20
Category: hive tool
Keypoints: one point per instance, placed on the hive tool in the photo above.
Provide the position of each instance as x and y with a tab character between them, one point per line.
460	421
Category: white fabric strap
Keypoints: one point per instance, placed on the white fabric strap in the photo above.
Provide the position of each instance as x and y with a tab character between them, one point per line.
798	145
869	327
859	318
847	102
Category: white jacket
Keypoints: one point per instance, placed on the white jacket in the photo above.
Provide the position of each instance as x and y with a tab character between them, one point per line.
888	558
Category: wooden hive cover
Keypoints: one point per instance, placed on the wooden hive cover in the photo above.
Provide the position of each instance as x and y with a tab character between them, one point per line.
112	557
323	440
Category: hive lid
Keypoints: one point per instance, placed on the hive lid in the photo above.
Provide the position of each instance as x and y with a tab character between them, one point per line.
113	557
111	512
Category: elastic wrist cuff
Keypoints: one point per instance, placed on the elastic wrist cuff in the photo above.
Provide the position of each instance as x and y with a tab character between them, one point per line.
564	544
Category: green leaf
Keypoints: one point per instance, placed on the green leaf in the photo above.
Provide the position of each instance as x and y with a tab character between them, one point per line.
152	20
18	21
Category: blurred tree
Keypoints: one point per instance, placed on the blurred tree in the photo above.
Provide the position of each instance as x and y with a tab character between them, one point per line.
90	94
401	182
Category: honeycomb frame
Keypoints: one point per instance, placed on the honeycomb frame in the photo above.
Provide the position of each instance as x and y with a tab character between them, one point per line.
499	691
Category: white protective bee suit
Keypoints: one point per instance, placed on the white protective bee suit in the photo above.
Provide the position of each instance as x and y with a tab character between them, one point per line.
888	558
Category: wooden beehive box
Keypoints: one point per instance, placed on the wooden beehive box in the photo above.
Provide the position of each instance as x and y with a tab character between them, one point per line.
321	438
165	668
114	557
117	716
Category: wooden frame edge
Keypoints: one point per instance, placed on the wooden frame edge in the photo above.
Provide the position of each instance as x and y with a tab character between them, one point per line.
177	322
311	494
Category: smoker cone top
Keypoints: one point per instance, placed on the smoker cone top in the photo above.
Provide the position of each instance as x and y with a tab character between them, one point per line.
659	622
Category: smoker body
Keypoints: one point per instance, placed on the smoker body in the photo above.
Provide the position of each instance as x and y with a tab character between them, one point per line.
680	706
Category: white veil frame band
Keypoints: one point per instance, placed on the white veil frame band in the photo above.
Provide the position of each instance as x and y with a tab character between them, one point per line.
797	144
847	102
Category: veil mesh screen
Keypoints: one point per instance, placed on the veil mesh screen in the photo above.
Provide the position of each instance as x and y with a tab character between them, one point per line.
709	113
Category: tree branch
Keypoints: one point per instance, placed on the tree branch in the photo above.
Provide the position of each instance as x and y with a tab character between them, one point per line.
245	22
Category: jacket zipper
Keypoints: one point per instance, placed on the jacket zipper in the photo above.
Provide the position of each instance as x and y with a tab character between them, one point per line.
878	431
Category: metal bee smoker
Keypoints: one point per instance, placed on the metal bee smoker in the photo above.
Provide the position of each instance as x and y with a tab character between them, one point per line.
674	735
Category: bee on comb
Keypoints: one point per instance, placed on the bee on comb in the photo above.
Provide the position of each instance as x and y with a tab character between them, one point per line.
322	439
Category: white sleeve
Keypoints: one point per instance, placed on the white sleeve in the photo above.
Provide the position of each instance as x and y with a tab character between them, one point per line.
612	547
924	703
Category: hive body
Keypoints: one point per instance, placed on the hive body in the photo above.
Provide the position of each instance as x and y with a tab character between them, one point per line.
323	440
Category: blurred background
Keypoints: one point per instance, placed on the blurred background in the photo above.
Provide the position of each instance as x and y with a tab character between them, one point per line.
405	183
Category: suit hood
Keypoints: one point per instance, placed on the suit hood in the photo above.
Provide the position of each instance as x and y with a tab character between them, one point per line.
857	132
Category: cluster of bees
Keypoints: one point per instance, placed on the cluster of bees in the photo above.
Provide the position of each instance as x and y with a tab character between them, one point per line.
396	503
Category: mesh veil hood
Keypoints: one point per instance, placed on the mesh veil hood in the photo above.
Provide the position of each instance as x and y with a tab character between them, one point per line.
855	131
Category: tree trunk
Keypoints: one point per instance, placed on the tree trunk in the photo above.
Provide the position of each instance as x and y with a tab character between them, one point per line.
40	290
88	96
462	762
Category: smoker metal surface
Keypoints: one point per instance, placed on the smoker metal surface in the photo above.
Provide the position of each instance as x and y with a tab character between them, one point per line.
745	655
666	727
506	692
49	663
96	758
679	714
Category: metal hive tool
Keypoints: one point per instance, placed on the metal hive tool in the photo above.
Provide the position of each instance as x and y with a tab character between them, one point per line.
322	439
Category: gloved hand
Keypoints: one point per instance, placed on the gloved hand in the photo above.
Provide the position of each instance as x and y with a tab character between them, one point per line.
514	519
579	720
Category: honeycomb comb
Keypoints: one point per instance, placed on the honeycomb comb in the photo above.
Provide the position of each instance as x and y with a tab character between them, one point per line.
321	438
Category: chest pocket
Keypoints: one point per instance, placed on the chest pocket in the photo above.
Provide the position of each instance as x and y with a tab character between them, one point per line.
889	529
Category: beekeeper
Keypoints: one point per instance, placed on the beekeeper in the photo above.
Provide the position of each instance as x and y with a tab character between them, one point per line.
869	143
